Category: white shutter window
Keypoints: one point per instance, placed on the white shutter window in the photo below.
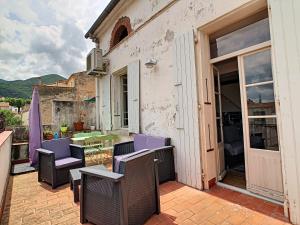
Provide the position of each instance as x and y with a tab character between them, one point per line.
187	121
133	76
106	107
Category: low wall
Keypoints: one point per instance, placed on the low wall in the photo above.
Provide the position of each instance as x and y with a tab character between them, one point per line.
5	161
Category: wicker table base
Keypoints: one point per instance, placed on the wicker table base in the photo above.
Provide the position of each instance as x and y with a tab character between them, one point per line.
75	178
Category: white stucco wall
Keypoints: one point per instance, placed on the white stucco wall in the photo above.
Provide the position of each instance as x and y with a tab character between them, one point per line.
155	40
285	31
5	159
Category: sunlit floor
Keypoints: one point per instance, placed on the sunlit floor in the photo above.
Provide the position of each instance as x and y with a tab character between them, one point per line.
30	202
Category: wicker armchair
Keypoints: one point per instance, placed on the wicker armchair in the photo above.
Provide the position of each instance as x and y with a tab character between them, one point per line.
56	158
129	197
160	145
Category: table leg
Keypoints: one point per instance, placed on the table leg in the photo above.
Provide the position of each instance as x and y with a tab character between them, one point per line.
71	184
76	192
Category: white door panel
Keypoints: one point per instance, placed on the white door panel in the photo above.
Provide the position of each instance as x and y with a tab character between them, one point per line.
262	152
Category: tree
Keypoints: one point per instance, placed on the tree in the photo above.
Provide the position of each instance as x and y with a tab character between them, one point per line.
10	118
17	102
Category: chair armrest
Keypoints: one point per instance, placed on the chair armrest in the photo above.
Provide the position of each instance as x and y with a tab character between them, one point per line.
45	151
102	174
166	166
77	151
123	148
160	153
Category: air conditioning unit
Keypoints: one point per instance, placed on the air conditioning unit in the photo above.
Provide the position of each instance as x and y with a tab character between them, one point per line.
94	63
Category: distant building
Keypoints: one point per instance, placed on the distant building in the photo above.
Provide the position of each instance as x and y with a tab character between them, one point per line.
4	105
66	101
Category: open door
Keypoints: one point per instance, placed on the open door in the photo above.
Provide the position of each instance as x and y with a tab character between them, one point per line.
219	124
263	164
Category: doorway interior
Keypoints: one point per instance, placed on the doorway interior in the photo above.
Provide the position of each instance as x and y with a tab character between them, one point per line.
229	123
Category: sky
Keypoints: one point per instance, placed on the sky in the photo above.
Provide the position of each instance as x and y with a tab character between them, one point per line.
39	37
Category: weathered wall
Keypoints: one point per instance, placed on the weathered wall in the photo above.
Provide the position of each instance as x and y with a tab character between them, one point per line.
60	104
48	95
155	40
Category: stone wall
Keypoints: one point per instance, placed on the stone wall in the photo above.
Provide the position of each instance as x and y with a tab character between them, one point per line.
64	104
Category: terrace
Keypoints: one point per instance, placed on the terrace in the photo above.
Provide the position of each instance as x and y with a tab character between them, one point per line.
29	202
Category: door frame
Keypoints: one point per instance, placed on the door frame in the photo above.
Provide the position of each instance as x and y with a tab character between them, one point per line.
203	66
239	54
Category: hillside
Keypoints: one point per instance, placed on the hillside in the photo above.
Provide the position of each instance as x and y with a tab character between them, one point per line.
23	88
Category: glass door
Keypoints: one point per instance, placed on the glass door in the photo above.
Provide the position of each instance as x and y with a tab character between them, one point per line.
219	124
263	164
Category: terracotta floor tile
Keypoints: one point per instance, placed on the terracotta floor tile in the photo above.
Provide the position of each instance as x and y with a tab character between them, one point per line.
29	202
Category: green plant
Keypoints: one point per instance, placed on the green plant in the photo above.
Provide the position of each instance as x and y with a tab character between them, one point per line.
10	118
48	132
64	124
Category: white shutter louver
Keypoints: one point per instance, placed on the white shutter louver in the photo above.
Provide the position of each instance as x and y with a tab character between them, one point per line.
187	124
133	77
106	108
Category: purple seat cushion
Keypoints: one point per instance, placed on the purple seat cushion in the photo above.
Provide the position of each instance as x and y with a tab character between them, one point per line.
66	162
60	147
140	142
119	158
155	142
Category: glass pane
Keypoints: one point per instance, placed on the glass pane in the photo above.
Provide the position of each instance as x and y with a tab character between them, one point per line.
219	130
216	83
260	100
258	67
217	106
263	133
244	37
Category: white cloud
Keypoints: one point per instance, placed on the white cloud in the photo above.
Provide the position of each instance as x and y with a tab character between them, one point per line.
42	37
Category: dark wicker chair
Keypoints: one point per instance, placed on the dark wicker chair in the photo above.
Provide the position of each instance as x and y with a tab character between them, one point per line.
160	145
56	158
129	197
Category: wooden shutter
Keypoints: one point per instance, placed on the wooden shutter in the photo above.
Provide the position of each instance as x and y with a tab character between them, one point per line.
106	107
133	78
187	123
116	86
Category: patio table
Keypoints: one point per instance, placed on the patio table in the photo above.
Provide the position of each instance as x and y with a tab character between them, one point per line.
75	179
80	140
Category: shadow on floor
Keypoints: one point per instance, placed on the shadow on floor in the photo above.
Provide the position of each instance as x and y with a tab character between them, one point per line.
4	219
256	204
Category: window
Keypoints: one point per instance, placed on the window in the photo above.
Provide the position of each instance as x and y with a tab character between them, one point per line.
246	33
121	30
124	101
261	101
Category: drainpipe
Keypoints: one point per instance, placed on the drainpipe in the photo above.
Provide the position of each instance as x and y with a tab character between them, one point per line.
97	79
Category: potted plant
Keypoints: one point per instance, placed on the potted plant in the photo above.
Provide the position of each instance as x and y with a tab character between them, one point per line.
48	135
64	127
78	126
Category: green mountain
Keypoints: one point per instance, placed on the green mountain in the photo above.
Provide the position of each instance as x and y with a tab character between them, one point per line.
23	88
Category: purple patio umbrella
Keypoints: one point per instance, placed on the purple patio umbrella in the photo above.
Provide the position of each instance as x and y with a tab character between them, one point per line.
35	127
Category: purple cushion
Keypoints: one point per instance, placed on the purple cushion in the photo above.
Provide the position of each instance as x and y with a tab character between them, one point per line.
119	158
66	162
155	142
140	142
60	147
